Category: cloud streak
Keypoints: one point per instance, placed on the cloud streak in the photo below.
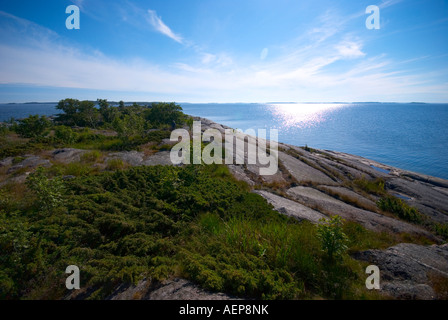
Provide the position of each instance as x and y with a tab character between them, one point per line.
156	22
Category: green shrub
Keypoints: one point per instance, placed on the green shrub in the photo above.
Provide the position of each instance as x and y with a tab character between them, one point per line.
333	239
441	229
65	135
3	129
33	126
49	192
91	156
399	208
371	186
116	164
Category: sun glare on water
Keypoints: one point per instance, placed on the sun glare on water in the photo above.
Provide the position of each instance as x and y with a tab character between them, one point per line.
303	115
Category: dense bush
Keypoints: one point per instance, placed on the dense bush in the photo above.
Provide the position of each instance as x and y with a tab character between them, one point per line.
33	126
195	222
65	135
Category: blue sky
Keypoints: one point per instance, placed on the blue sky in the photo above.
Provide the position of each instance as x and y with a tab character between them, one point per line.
224	51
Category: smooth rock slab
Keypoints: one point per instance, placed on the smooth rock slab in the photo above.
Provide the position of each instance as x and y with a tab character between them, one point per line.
160	158
303	172
68	155
177	289
370	220
133	158
30	162
291	208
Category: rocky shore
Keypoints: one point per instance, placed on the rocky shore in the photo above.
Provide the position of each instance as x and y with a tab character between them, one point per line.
310	184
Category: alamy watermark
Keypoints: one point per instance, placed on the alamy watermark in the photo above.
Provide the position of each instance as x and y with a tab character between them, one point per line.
73	20
72	281
257	150
373	21
373	280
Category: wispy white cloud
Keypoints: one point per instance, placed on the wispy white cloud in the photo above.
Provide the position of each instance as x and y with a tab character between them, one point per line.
156	22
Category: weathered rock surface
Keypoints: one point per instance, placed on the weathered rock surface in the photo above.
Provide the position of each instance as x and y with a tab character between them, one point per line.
160	158
30	162
291	208
133	158
342	191
176	289
408	270
68	155
370	220
6	162
303	172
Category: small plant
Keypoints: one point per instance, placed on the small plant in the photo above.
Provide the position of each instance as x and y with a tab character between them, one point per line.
333	239
116	164
371	186
91	157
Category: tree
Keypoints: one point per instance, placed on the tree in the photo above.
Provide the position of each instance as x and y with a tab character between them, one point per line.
105	110
164	113
129	125
88	114
70	108
33	126
333	239
78	113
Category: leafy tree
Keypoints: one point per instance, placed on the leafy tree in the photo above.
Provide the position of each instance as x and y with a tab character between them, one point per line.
49	192
33	126
333	239
88	114
129	125
165	113
70	108
107	112
78	113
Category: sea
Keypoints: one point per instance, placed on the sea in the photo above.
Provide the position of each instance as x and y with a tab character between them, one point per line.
410	136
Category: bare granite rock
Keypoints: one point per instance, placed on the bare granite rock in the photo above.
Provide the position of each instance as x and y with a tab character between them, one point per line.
291	208
370	220
176	289
6	162
160	158
407	269
133	158
68	155
30	162
303	172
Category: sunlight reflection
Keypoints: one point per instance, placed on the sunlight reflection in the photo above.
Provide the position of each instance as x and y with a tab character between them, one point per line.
303	115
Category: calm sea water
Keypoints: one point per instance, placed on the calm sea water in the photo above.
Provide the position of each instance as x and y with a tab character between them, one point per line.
408	136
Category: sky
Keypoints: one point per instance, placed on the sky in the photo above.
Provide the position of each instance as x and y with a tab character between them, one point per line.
203	51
